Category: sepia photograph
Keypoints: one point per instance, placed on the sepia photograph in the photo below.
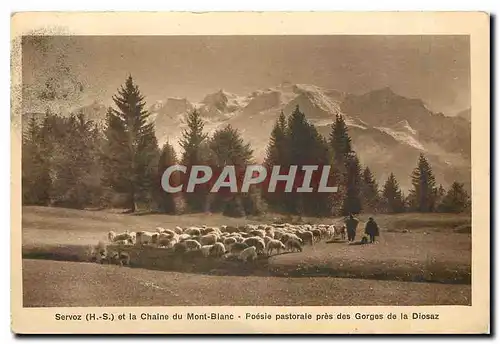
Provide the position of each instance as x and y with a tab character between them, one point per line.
277	170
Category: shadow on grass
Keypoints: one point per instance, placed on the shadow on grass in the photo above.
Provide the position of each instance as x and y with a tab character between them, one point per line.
140	212
193	262
336	241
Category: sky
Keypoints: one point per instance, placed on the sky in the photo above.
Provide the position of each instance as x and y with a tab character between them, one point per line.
435	69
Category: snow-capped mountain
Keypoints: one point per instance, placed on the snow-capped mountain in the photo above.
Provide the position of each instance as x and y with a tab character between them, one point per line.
388	130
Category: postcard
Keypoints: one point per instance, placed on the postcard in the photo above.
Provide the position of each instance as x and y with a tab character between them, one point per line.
250	173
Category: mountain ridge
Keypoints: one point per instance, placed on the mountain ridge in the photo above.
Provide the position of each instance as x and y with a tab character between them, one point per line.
388	130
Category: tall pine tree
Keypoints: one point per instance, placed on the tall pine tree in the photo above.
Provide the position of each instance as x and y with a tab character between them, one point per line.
277	155
423	194
167	202
352	200
195	152
131	149
276	152
340	146
306	147
392	197
369	191
340	141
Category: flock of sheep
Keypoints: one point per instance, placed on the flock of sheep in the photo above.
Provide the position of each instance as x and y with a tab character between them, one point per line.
245	243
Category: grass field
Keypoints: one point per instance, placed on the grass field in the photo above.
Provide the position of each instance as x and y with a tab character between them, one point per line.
58	284
412	247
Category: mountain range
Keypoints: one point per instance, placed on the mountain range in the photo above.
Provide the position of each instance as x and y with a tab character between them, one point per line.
388	130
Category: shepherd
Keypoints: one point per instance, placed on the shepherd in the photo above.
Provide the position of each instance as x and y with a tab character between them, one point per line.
351	224
371	229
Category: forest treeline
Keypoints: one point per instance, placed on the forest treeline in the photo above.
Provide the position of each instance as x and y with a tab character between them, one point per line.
72	162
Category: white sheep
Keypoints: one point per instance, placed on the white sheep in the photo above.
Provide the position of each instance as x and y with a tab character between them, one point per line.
205	250
166	240
340	230
249	253
194	231
229	241
316	234
295	237
274	245
98	252
218	249
145	238
248	228
258	232
330	232
270	232
171	243
237	248
307	237
278	234
214	230
178	230
208	239
121	258
113	237
183	237
294	245
133	235
258	242
267	239
168	232
239	239
192	244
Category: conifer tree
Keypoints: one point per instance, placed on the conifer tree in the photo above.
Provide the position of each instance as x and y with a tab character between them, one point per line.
306	147
369	191
277	155
195	151
228	148
340	141
276	152
440	193
192	140
36	181
456	199
77	173
167	201
131	149
340	146
352	201
423	194
392	196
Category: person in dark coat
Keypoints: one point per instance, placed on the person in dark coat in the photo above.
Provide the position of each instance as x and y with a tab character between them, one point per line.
371	229
351	224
